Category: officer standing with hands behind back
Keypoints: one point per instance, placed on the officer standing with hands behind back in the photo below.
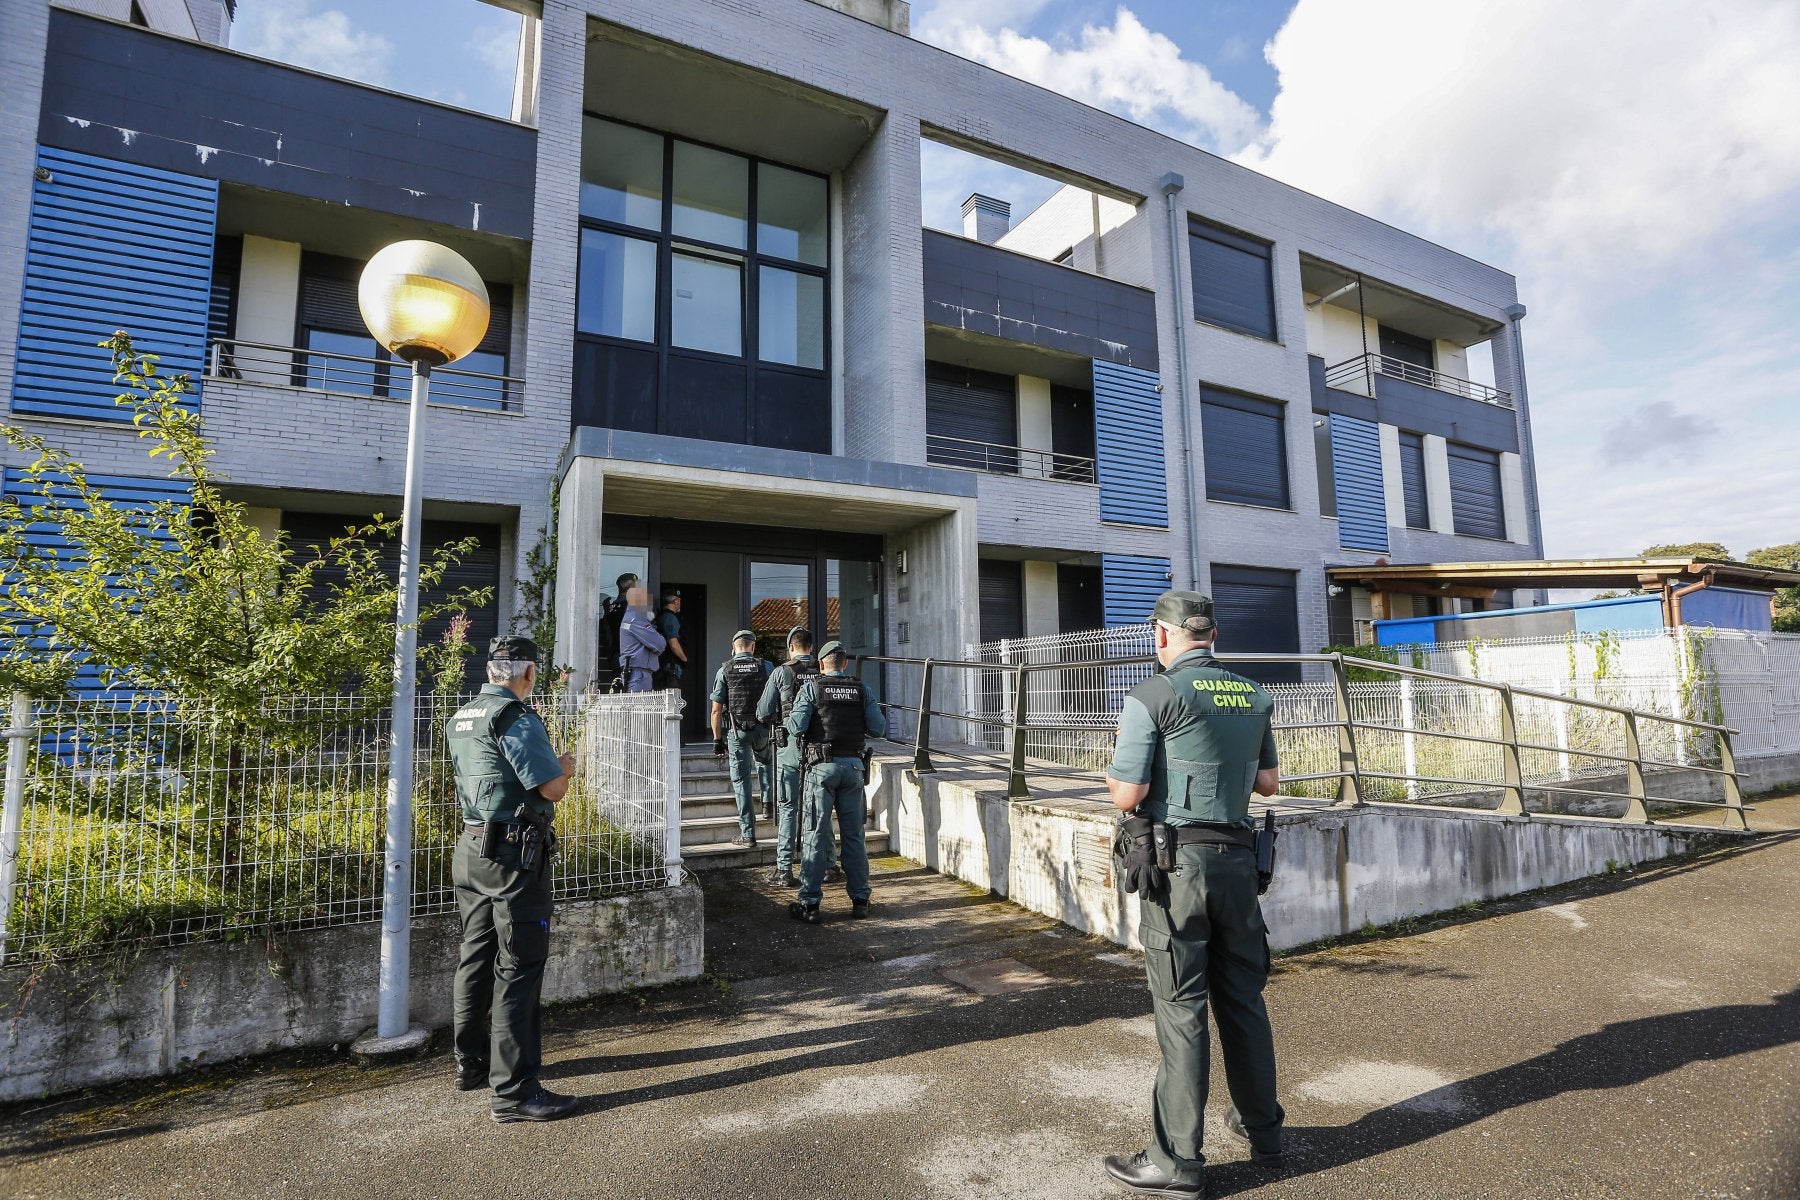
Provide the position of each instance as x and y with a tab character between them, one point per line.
508	782
1194	742
834	716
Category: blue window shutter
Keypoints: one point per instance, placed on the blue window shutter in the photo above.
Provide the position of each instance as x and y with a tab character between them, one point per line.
1361	500
126	491
1132	582
111	246
1412	480
1233	283
1244	442
1128	445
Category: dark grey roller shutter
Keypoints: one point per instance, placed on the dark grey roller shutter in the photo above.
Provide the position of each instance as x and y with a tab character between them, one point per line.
971	419
1408	348
1002	600
1258	609
1475	501
1412	480
1233	287
1245	445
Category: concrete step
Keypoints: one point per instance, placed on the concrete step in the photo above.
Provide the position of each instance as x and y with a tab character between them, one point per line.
698	808
722	855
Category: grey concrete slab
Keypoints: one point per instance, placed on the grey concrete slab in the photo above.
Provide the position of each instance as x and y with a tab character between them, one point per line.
1636	1036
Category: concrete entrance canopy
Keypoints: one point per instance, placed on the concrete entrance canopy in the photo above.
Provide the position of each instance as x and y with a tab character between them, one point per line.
926	512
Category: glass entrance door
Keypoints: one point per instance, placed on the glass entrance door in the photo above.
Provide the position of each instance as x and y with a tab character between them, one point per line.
780	597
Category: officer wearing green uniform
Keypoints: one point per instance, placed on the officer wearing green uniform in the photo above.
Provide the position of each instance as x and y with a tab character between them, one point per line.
1194	742
834	716
501	869
736	730
772	710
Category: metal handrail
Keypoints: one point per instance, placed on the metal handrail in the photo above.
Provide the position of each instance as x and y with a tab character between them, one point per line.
1364	367
359	375
967	454
1351	772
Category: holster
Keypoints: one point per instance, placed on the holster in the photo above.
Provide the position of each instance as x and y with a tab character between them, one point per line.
779	735
1165	846
1265	853
868	757
491	837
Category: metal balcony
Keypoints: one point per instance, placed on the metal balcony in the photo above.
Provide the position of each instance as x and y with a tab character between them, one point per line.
1007	460
1358	375
353	375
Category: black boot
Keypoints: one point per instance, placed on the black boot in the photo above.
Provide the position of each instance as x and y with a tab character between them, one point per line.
1272	1160
544	1105
471	1075
1147	1179
781	878
804	912
859	909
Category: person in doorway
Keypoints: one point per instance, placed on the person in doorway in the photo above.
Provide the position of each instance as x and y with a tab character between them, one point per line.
673	664
833	717
772	710
737	732
509	780
612	615
640	645
1195	741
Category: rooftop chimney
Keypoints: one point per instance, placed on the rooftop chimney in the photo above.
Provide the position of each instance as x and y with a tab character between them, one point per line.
986	219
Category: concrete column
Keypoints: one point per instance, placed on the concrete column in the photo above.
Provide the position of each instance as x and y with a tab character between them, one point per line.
1042	617
1509	374
555	228
1393	487
1512	496
268	304
24	28
941	572
883	281
1034	424
1437	484
578	584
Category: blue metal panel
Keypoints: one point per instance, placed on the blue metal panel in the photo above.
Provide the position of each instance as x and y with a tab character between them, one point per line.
1128	446
112	246
1727	608
1406	631
1131	584
1356	467
1631	612
126	491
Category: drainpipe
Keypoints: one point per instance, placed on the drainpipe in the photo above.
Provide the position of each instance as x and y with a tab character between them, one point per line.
1521	404
1706	581
1170	184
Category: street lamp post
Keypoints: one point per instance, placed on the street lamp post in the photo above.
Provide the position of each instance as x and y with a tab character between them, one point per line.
425	303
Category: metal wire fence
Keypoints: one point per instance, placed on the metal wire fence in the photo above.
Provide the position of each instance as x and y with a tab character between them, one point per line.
158	821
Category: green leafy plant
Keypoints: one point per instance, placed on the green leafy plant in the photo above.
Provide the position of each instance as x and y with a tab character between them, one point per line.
1368	653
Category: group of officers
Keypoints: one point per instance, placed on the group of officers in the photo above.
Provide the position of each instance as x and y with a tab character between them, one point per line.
1195	742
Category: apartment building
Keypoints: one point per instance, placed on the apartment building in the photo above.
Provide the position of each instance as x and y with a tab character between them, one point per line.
725	352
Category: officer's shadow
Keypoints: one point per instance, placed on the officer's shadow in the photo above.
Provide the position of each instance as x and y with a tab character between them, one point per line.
1622	1054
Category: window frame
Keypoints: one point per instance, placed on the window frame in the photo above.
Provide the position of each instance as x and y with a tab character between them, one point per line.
750	255
1231	239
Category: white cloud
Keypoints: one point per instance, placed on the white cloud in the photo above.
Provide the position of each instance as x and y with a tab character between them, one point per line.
1123	67
495	44
1638	168
297	33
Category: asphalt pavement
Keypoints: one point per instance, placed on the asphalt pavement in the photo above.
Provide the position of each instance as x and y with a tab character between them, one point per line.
1633	1036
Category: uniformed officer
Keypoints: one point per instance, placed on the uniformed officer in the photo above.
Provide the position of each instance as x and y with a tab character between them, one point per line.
1194	742
834	715
736	730
501	869
772	710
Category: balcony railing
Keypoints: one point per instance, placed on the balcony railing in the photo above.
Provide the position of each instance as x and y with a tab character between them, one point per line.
1358	374
1007	460
353	375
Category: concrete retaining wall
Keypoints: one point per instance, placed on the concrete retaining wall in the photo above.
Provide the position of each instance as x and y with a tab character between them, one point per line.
208	1002
1337	868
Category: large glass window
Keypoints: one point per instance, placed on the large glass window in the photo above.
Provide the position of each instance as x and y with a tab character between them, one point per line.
617	295
790	215
621	174
332	374
704	292
712	195
707	308
792	329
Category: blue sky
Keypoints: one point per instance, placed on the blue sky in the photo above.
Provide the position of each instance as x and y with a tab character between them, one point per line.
1638	169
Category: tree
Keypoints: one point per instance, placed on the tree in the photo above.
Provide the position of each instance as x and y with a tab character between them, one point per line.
1711	551
1787	600
187	598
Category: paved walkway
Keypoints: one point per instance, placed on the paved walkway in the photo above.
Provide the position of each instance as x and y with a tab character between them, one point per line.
1636	1037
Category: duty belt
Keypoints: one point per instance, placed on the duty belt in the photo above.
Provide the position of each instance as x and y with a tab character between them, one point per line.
1218	835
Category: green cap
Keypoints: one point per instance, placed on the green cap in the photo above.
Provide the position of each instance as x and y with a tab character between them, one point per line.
513	648
1192	611
830	648
744	635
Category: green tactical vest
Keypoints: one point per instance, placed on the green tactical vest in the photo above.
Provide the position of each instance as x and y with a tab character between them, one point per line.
1211	724
486	785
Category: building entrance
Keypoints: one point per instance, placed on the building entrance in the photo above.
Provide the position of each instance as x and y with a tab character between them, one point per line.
735	577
